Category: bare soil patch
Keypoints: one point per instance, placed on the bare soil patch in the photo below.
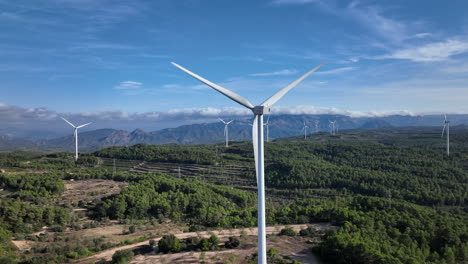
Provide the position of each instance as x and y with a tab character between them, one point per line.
88	190
248	241
22	245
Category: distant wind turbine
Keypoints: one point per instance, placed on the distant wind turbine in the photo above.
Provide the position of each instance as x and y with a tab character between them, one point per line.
226	130
267	125
75	134
447	125
332	127
317	126
257	139
304	128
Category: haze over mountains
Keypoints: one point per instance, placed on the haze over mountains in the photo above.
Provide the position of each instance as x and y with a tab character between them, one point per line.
206	133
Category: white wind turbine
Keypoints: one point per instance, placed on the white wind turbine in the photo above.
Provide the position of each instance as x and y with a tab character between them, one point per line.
447	125
267	125
226	130
332	127
257	139
317	126
304	128
75	134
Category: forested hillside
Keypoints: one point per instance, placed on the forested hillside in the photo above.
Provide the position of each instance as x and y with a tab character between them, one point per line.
393	202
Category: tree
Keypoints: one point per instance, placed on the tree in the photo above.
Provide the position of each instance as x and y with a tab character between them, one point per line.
169	243
204	244
122	256
214	241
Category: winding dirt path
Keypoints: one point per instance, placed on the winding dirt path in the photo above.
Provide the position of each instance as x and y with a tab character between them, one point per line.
106	255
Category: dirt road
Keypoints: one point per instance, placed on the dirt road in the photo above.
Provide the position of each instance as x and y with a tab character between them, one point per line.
107	254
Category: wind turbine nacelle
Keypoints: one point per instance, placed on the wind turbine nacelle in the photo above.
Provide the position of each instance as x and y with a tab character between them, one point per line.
261	110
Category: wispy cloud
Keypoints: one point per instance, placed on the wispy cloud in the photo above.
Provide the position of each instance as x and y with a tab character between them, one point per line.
107	46
437	51
422	35
371	17
275	73
129	85
337	70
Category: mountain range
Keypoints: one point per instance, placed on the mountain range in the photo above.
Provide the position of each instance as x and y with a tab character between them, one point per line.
281	126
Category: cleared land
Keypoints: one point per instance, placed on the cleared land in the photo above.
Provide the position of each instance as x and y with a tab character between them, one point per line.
288	247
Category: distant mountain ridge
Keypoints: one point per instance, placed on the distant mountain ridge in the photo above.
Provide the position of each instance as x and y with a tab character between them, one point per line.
281	126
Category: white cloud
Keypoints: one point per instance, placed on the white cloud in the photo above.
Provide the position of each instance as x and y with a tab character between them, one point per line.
129	85
97	46
9	113
438	51
422	35
275	73
337	70
372	18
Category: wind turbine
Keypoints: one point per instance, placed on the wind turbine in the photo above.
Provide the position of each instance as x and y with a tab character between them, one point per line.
75	134
317	126
304	128
257	139
267	125
447	125
332	127
226	131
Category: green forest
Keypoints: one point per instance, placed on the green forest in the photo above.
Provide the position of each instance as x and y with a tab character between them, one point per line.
392	203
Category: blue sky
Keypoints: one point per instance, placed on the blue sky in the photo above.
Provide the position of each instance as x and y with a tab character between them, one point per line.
112	58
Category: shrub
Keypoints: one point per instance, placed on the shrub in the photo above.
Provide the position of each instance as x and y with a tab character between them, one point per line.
196	228
192	241
57	228
122	256
288	231
152	242
204	244
310	231
232	243
214	241
169	243
272	252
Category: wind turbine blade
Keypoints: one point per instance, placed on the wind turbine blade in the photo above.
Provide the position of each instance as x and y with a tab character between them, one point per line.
221	120
74	133
235	97
443	130
84	125
68	122
270	101
445	116
229	122
225	128
255	143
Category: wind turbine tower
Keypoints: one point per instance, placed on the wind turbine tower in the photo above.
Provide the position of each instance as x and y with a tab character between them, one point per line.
258	144
304	128
332	127
267	125
447	125
226	130
75	134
